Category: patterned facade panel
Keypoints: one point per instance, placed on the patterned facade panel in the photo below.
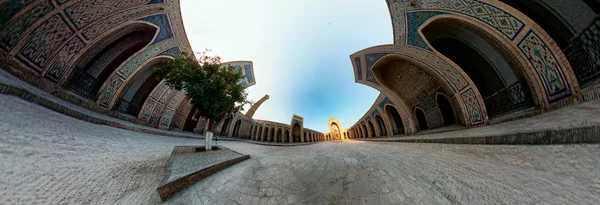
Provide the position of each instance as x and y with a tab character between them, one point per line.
502	21
11	32
44	40
112	87
147	110
87	11
64	59
148	53
434	119
165	120
426	101
162	21
545	64
474	110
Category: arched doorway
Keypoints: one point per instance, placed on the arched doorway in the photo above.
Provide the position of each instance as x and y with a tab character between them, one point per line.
87	78
139	88
381	124
236	128
421	119
280	136
446	109
371	128
365	133
493	70
272	139
296	132
394	117
225	126
266	134
335	131
286	136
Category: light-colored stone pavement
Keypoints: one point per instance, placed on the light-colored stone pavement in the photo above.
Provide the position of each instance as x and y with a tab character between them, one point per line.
48	158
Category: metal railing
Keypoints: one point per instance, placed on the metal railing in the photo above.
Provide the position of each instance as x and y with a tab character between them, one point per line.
509	98
127	107
583	53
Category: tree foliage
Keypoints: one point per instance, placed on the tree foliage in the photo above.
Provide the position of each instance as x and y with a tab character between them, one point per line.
213	88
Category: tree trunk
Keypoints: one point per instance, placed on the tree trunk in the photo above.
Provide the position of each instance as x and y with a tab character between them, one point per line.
211	124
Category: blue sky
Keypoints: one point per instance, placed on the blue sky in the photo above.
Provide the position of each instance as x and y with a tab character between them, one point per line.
300	51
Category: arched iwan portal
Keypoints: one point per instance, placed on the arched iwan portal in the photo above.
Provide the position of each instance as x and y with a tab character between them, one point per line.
296	132
97	64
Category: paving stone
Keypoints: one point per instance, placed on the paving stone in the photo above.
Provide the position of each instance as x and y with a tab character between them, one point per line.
49	158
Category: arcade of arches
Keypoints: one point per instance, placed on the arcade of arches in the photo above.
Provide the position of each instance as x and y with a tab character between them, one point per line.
453	63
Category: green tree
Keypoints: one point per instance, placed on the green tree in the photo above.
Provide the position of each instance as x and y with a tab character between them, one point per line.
212	87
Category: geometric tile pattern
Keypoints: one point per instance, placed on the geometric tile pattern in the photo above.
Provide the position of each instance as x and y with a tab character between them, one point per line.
64	58
44	40
502	21
472	104
546	66
162	21
102	26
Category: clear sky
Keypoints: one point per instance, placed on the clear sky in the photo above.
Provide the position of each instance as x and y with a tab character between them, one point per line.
300	51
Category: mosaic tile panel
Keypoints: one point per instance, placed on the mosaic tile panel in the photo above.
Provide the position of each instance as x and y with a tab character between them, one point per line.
87	11
44	40
64	58
156	2
502	21
415	20
161	21
546	66
358	68
11	31
473	109
375	112
248	72
173	52
98	28
384	102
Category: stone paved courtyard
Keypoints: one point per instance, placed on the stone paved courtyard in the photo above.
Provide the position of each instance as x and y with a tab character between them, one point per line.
48	158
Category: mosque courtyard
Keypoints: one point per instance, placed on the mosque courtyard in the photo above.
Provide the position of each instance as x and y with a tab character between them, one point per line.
62	160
